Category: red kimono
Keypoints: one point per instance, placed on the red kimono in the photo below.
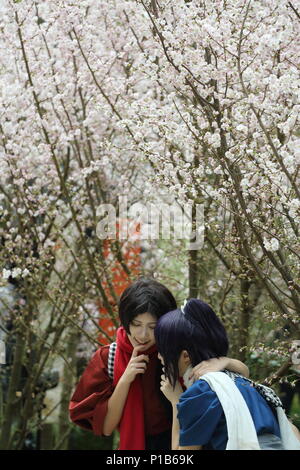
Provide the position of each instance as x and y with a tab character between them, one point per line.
88	406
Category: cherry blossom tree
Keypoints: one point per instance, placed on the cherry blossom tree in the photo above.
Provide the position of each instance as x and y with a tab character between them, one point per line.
197	99
224	116
55	172
209	97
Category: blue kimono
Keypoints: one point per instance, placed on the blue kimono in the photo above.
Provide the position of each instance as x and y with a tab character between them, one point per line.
202	420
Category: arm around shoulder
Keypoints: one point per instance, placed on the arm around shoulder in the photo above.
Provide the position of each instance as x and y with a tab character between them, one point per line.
237	366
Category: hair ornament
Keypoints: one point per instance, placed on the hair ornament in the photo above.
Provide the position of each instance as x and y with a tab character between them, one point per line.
183	305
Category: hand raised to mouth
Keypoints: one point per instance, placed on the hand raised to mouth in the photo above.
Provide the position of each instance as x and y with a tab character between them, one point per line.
137	365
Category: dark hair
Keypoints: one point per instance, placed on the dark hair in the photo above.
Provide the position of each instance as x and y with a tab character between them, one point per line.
144	295
198	331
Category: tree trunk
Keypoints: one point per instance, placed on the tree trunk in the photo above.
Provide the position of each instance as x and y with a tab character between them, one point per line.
193	274
245	318
10	406
193	266
64	428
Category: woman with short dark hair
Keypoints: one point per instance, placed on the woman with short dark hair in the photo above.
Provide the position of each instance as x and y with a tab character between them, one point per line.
121	389
221	410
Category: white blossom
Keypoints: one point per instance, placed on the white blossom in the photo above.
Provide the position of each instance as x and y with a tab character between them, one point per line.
16	272
6	273
271	245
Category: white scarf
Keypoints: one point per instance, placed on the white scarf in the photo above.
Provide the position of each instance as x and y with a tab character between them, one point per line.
240	427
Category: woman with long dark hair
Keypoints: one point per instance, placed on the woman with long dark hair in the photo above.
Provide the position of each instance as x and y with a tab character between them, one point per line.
221	410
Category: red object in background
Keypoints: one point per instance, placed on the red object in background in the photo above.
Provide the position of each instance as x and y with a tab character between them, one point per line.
119	278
